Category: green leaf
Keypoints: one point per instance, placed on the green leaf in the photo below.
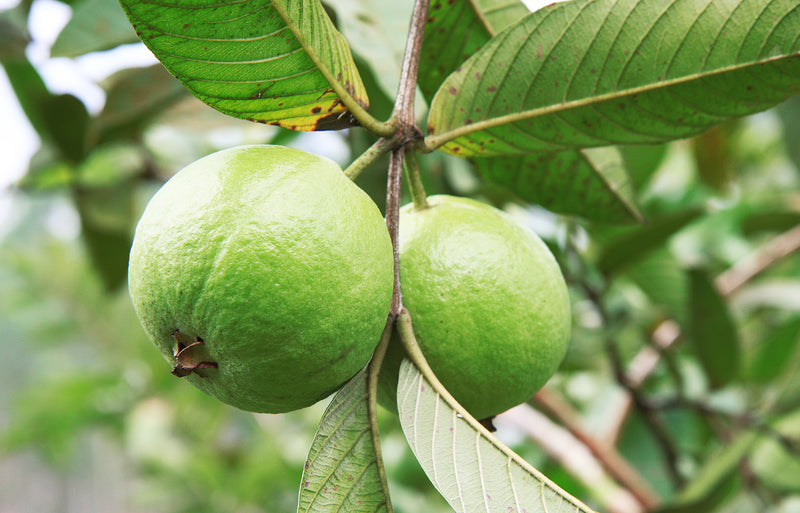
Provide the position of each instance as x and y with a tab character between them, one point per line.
471	468
635	244
67	123
665	282
590	183
713	333
790	115
600	72
96	25
106	221
642	160
343	471
376	31
280	62
777	350
710	485
456	30
30	90
13	26
135	97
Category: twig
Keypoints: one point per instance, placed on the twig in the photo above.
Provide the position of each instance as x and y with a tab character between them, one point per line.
613	462
403	118
668	332
563	447
403	112
393	223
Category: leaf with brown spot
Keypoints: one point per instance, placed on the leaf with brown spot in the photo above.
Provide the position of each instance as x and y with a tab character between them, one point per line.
590	73
269	62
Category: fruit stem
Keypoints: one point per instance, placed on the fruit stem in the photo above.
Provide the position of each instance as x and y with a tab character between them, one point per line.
393	222
414	180
372	405
403	112
381	147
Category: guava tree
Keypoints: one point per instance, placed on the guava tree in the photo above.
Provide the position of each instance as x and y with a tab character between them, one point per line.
567	108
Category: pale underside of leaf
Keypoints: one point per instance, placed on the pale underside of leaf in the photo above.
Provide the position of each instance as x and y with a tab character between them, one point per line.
472	470
590	73
590	183
341	472
280	62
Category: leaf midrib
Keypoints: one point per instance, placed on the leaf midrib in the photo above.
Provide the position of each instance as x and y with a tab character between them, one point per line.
431	142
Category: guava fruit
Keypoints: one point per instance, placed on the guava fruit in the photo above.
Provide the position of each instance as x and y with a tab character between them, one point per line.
264	275
488	301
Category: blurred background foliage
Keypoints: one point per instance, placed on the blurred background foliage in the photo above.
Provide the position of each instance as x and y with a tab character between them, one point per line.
91	419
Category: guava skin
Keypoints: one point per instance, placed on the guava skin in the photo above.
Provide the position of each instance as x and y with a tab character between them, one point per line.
488	301
273	266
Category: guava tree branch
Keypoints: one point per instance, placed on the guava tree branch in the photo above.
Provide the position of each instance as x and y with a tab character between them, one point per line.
403	118
613	462
668	332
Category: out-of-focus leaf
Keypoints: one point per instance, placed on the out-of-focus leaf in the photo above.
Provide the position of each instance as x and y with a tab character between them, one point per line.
13	27
343	471
601	72
790	115
106	221
456	30
67	122
642	160
775	352
665	282
770	221
713	156
96	25
110	165
30	90
636	243
281	62
134	98
712	330
777	465
712	483
591	183
46	417
471	468
376	31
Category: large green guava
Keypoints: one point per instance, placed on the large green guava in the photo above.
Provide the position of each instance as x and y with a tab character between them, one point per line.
264	275
488	301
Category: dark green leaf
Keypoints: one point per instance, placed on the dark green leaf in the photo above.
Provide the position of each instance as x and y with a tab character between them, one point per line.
96	25
67	123
279	62
665	282
134	98
591	183
636	243
642	160
790	114
106	222
456	30
713	333
343	471
599	72
775	352
30	90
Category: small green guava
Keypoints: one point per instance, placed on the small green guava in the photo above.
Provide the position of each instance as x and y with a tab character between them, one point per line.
264	275
488	301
